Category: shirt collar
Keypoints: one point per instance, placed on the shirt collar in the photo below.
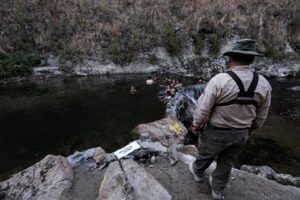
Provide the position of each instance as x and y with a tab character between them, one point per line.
240	68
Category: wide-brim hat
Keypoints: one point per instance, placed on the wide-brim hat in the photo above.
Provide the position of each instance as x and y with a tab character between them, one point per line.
243	46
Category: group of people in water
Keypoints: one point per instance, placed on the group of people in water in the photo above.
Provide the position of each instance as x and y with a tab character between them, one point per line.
171	86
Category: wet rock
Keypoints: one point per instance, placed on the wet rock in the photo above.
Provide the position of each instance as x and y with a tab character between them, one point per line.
295	88
144	136
144	185
264	171
114	184
78	158
99	155
48	179
167	131
184	103
153	159
154	147
110	157
287	179
138	154
278	70
269	173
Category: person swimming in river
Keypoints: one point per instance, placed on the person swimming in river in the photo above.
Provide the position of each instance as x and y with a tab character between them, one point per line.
178	84
149	81
132	89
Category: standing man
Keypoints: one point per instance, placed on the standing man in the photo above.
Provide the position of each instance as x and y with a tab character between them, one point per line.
232	105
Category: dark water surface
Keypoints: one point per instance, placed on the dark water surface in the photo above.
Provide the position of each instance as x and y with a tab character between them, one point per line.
61	116
277	143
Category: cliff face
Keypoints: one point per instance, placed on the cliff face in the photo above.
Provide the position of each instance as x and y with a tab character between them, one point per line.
121	30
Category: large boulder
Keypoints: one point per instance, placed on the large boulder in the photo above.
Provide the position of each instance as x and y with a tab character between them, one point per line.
145	186
114	184
128	180
48	179
168	131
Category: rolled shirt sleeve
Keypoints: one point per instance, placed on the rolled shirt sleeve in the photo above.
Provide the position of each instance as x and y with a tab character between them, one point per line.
205	104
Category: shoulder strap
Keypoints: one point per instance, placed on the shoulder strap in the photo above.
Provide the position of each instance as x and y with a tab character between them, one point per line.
253	84
243	97
237	80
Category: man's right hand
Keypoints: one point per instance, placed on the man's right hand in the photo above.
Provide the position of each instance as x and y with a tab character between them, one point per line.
195	130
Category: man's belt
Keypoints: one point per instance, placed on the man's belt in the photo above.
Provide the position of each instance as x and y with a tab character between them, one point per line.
227	129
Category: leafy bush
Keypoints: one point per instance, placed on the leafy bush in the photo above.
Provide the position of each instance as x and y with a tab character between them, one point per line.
122	53
199	41
214	41
171	40
274	53
17	63
152	58
294	26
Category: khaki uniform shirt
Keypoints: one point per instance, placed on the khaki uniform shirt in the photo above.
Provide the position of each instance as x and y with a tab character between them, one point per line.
222	88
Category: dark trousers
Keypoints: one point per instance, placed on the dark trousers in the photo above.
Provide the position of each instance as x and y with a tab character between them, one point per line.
222	145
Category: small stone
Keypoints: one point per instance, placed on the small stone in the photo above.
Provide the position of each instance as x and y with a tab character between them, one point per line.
92	167
153	159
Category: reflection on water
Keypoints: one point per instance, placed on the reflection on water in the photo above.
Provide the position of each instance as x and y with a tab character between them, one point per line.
62	116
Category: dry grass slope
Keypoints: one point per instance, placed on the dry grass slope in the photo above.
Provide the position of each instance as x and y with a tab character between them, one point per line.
122	29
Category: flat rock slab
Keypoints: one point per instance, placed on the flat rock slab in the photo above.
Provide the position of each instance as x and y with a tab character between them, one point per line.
86	183
180	184
145	186
128	180
114	184
48	179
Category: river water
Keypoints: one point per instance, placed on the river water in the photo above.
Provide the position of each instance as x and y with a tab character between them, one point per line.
61	116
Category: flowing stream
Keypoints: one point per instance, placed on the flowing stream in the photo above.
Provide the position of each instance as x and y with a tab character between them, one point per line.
61	116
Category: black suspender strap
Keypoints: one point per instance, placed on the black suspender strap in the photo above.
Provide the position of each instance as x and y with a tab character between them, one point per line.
244	97
253	84
237	80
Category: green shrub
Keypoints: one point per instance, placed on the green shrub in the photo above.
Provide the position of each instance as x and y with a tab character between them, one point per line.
153	59
175	7
171	40
275	53
75	55
199	41
122	53
294	25
214	41
17	63
124	50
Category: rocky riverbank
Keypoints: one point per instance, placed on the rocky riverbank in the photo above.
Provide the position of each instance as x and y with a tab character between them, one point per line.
189	64
157	170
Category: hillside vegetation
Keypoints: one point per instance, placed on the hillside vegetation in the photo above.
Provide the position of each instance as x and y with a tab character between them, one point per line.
121	29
